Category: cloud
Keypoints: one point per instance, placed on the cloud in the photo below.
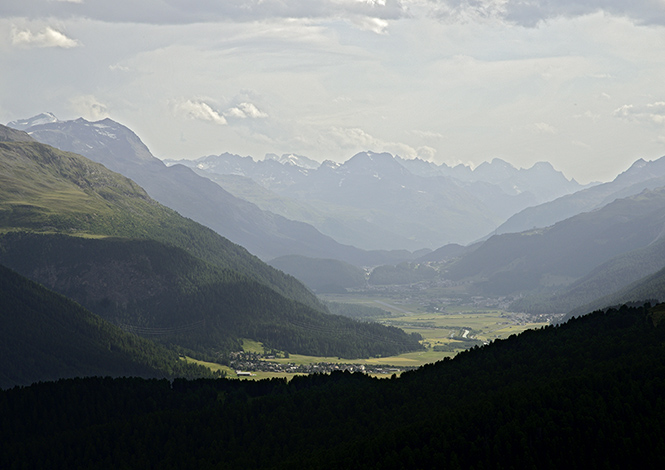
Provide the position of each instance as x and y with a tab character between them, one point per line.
370	15
48	37
426	134
374	25
245	110
357	139
426	153
531	13
199	110
351	138
188	12
119	68
89	107
652	113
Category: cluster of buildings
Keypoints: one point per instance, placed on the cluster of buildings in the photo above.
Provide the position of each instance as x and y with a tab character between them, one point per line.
247	367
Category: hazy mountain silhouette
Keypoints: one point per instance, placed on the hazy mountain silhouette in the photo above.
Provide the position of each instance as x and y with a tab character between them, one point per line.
265	234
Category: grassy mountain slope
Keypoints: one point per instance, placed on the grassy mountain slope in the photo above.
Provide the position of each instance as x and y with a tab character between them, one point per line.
45	336
586	394
48	190
13	135
558	255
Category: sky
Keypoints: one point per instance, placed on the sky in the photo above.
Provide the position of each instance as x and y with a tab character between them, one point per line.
580	84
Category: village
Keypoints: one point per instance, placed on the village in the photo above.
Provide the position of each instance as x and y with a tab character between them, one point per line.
245	364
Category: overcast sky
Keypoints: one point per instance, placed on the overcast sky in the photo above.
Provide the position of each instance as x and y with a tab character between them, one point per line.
578	83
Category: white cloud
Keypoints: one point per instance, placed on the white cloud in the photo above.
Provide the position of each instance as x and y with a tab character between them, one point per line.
426	134
426	153
118	68
374	25
199	110
653	113
48	37
245	110
352	138
356	139
89	107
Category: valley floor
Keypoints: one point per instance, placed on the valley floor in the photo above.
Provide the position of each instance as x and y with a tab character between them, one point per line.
448	325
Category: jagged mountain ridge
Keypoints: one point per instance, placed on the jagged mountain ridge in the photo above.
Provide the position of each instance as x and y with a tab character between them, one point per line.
375	198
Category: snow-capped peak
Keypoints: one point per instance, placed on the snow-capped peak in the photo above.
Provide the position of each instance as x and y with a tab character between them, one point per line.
294	160
23	124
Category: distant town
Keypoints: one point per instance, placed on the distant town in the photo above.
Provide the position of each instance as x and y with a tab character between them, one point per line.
245	363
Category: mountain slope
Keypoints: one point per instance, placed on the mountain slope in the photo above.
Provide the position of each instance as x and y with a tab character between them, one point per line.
165	294
558	255
604	280
45	336
640	176
265	234
44	189
649	288
321	275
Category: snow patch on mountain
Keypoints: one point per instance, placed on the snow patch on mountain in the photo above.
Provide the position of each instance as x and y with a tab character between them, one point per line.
23	124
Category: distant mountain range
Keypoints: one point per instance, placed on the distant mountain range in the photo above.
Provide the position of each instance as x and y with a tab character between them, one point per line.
376	200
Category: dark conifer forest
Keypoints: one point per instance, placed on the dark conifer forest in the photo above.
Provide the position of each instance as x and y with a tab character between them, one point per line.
584	394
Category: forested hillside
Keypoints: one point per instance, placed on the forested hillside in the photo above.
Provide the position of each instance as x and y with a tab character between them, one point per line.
45	336
586	394
603	283
168	295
